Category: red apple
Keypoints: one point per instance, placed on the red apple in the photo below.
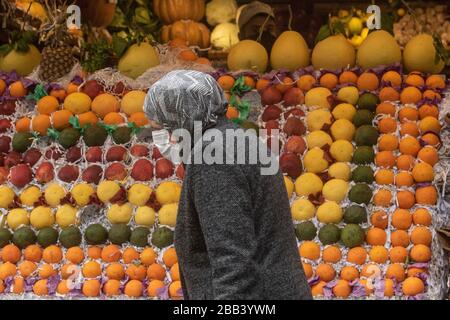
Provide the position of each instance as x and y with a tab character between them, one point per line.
156	154
271	125
142	170
7	108
296	112
164	168
68	173
5	144
5	125
271	95
116	153
179	172
294	126
45	172
92	88
92	174
21	175
296	145
271	113
291	165
73	154
32	156
53	154
94	154
3	175
116	172
139	150
12	159
293	97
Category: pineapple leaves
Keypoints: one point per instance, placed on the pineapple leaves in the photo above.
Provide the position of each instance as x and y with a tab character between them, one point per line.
441	52
97	55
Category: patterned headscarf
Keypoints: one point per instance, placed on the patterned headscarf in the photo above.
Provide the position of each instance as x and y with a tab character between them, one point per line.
182	97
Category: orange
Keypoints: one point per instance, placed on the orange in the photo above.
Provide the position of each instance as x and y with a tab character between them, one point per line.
232	113
91	269
412	286
226	82
59	94
306	82
175	272
113	118
410	95
408	114
203	60
75	255
331	254
23	125
401	219
52	254
156	272
409	145
329	80
41	123
389	94
136	272
431	95
368	285
348	77
370	270
431	139
368	81
388	142
47	105
349	273
395	271
398	254
2	86
40	287
91	288
130	255
249	81
133	289
379	219
18	285
148	256
405	162
94	252
387	125
435	81
87	118
325	272
111	288
405	199
383	198
399	238
170	257
429	124
139	119
62	287
187	55
17	90
175	291
409	128
7	270
307	268
384	177
317	289
262	84
415	80
422	217
385	159
404	179
11	253
115	271
423	172
428	110
111	253
309	250
46	271
413	272
357	255
68	270
378	254
155	287
386	108
393	78
104	104
60	119
285	84
420	253
33	253
342	289
421	235
376	237
26	268
71	88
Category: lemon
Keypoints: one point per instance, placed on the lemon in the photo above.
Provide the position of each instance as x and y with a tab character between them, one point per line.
335	190
318	139
53	194
340	170
342	150
289	186
167	215
66	215
329	212
318	98
355	25
17	218
106	190
348	94
30	196
314	161
139	194
133	102
302	209
6	196
42	217
343	129
168	192
77	103
356	41
137	59
315	120
308	184
344	111
120	213
145	216
81	193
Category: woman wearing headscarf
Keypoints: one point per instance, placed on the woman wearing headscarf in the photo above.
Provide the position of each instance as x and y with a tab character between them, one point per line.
234	235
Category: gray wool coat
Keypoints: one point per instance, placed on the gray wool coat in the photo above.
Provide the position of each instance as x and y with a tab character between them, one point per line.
234	235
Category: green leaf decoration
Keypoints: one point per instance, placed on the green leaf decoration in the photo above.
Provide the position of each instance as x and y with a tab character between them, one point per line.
39	92
35	134
134	128
243	107
240	88
324	32
441	52
109	128
52	133
74	122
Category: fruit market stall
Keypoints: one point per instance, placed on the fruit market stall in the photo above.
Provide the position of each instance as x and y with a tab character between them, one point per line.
88	204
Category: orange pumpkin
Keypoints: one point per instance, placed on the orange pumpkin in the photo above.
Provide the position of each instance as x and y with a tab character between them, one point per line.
170	11
99	13
194	33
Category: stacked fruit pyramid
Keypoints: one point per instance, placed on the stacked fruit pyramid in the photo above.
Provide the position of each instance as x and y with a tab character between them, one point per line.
88	205
359	150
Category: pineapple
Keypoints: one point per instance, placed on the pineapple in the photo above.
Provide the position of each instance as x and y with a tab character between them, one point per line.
58	54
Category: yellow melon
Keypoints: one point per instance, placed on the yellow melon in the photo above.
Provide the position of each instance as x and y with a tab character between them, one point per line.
248	55
419	55
290	52
333	53
379	48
